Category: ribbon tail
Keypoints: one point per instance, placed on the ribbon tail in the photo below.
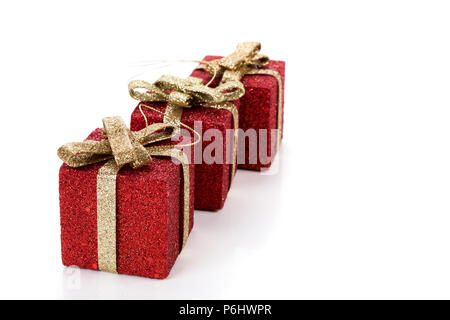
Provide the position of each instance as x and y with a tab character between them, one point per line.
172	116
106	216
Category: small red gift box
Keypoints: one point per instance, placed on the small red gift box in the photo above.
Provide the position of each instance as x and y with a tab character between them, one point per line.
211	113
212	181
149	215
261	108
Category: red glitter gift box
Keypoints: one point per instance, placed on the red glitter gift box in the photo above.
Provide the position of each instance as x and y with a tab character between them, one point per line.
259	109
212	180
149	215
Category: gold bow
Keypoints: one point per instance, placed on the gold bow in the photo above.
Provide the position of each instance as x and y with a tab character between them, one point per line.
184	93
121	147
234	66
124	146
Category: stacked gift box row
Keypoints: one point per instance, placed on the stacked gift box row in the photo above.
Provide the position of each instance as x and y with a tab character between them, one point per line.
127	196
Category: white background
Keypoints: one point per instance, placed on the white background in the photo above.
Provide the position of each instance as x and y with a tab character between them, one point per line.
359	205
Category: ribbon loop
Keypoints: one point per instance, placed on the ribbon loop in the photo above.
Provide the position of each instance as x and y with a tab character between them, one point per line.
231	90
260	60
153	93
124	146
180	99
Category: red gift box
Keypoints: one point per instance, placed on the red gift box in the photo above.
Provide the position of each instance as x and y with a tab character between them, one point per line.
212	180
259	109
149	215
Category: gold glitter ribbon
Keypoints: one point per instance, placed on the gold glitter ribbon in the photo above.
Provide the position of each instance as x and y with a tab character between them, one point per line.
121	147
234	66
246	60
185	93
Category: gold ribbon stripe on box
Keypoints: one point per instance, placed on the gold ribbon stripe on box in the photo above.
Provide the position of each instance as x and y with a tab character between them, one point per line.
185	93
122	147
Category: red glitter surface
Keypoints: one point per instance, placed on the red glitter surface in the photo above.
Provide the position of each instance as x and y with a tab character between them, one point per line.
211	180
149	211
258	108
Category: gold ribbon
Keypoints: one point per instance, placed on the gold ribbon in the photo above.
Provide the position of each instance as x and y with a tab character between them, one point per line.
234	66
246	60
185	93
121	147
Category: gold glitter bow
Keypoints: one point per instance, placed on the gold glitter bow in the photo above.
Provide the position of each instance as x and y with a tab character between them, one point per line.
121	147
235	65
185	93
245	60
